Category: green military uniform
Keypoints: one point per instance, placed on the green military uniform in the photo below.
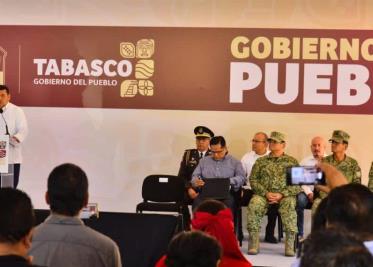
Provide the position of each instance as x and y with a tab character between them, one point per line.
348	167
269	175
370	183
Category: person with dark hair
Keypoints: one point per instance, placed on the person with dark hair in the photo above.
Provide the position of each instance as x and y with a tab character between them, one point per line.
350	207
334	248
219	165
347	207
63	240
16	227
13	124
192	249
215	219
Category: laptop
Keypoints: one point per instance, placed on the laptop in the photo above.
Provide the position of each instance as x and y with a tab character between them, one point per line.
215	188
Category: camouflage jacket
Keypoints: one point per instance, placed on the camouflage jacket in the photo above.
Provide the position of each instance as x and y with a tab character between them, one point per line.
370	184
269	175
349	167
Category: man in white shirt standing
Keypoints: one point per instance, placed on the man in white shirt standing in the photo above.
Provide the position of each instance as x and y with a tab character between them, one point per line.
305	198
259	146
14	124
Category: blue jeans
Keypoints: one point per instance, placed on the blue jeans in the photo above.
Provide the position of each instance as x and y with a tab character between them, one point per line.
302	203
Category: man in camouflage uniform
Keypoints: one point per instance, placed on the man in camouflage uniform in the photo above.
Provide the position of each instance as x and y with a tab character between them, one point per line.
190	161
268	181
345	164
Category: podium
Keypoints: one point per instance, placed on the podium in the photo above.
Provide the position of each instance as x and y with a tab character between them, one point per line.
6	169
7	178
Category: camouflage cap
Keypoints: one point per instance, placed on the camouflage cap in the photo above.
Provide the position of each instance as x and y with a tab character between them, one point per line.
277	136
202	131
340	136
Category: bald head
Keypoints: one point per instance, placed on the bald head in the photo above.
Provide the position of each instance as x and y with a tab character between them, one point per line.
259	143
318	146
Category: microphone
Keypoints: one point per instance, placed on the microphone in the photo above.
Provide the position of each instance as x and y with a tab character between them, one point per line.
6	125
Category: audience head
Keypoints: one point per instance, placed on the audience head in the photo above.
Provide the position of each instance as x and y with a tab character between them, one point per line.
214	218
334	248
193	249
17	220
67	189
218	147
350	207
259	143
318	147
211	206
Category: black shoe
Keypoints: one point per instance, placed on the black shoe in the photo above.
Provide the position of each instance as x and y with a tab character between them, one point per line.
270	239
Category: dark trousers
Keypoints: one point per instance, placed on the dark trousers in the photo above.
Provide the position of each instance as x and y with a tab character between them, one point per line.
302	203
272	216
16	171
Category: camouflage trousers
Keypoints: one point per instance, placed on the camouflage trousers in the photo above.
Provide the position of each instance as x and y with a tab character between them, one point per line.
317	201
258	207
315	204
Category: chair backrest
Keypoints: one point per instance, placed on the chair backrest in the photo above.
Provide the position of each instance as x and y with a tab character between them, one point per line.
163	188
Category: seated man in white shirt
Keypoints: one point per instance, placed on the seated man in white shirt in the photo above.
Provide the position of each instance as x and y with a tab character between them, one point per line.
305	198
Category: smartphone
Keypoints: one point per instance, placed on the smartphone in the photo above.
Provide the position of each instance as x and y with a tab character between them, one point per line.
304	175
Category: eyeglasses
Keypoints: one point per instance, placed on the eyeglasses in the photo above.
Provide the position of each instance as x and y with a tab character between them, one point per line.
258	141
217	152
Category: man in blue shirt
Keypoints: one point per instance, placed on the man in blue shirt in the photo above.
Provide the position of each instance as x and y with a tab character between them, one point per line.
219	165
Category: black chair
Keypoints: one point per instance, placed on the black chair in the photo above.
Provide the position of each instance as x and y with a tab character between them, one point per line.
242	199
163	193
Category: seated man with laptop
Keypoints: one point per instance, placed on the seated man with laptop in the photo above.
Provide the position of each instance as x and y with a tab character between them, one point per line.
218	175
